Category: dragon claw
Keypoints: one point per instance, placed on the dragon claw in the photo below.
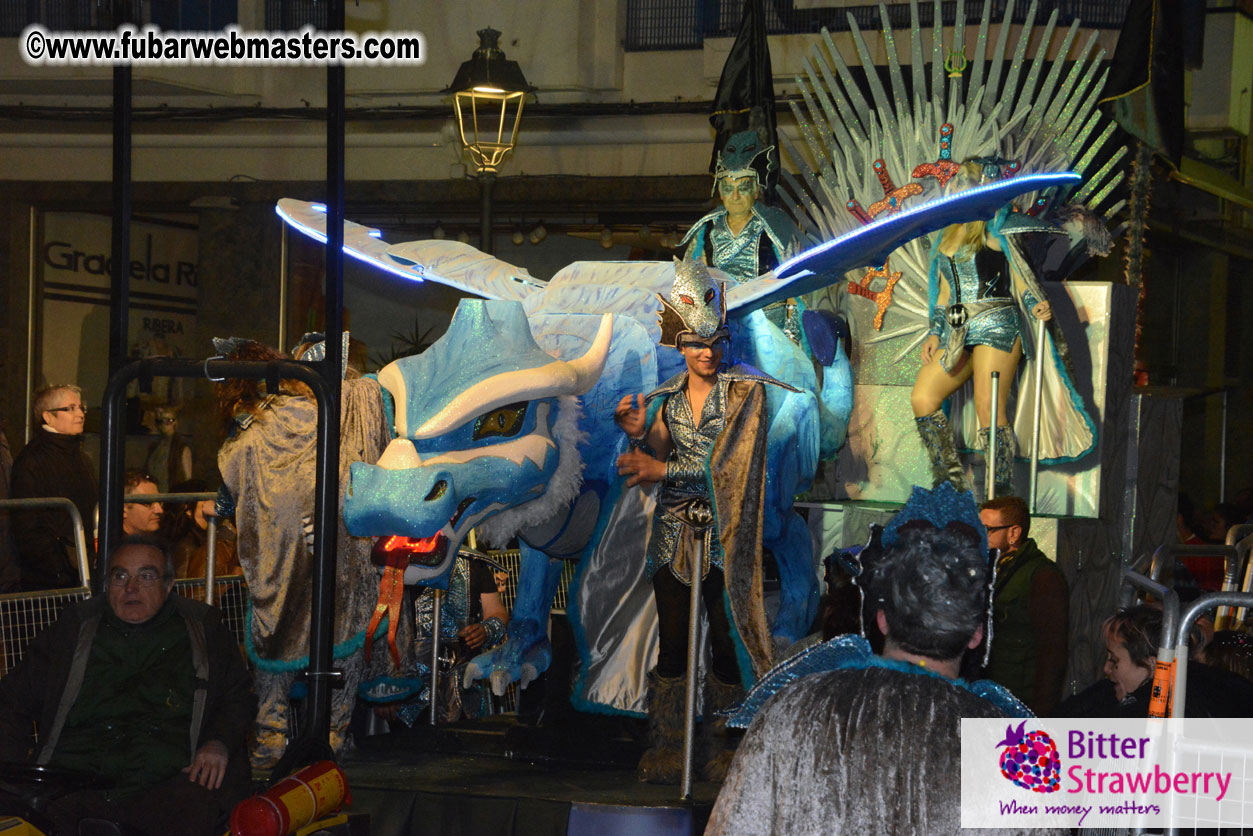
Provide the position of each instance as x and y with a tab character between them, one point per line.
529	675
472	672
500	681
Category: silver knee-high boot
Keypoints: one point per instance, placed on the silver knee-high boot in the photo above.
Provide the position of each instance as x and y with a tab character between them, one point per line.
937	440
1006	452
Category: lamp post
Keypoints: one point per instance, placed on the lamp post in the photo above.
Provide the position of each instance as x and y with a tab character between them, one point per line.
488	94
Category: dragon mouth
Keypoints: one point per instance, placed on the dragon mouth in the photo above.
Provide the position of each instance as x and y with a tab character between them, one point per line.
429	552
424	551
461	509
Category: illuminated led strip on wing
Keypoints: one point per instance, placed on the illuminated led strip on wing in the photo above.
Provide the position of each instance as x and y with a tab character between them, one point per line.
448	263
358	240
871	244
972	199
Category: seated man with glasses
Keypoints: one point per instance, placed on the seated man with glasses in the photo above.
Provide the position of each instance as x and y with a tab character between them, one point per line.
53	464
143	688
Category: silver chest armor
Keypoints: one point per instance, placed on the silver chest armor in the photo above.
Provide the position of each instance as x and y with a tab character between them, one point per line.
684	495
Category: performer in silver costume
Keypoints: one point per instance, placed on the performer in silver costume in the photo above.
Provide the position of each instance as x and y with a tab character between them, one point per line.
984	302
702	436
745	238
841	740
267	464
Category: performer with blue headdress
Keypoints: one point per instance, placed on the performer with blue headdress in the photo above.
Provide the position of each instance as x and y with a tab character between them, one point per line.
744	237
876	737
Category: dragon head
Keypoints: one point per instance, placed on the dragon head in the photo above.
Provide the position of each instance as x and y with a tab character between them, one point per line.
486	426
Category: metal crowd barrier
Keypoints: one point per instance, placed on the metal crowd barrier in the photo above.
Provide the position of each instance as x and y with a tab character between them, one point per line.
1193	751
1240	537
23	615
80	538
1190	614
511	559
1169	553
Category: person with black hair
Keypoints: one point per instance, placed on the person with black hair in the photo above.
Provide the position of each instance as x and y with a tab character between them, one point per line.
143	688
186	527
871	743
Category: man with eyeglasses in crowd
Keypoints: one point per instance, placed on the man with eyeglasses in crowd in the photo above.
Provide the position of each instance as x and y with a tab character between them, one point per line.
144	689
53	464
1031	609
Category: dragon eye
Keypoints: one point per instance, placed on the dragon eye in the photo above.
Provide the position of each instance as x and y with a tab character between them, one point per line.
709	296
505	421
685	299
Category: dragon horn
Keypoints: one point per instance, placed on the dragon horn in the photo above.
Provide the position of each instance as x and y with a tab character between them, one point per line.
588	368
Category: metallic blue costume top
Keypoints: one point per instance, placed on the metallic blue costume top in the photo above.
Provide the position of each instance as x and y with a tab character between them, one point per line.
684	495
981	297
765	240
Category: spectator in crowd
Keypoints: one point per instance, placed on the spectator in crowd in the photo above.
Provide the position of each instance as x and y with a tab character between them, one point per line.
1131	643
1231	650
872	745
1196	574
1030	609
186	527
10	573
140	517
53	464
142	688
1226	515
1185	522
169	457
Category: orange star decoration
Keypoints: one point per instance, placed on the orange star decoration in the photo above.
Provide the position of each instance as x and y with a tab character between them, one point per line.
881	298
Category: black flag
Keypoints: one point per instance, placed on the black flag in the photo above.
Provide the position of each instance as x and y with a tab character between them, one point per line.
1144	93
745	97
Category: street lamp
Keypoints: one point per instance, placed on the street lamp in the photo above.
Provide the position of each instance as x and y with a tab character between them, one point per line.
488	94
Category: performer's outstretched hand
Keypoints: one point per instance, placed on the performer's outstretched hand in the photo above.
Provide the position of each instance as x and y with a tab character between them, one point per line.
1042	311
641	467
630	415
929	347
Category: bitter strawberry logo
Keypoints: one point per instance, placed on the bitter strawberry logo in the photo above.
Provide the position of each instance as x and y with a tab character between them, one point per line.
1030	759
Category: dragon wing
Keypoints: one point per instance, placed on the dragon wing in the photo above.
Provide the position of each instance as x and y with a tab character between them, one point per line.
871	244
448	263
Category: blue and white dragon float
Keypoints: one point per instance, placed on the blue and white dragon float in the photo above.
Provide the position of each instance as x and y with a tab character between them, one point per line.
505	425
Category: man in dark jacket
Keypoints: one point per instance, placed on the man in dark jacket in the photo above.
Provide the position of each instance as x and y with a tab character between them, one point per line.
142	688
53	464
10	574
1030	609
